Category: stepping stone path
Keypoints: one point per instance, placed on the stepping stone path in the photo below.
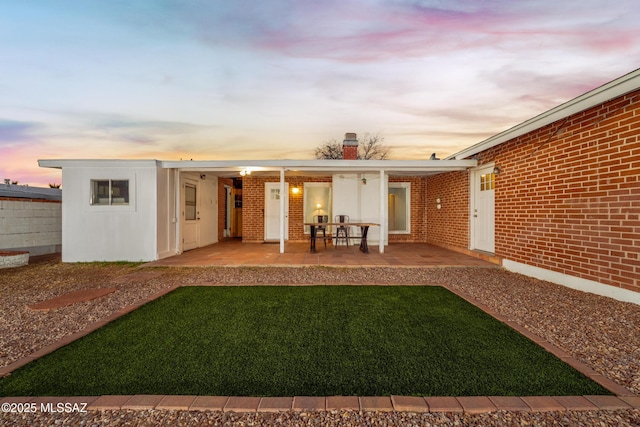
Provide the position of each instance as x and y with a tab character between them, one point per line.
82	295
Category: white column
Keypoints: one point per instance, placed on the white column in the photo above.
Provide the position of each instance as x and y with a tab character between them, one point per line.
282	213
382	215
177	215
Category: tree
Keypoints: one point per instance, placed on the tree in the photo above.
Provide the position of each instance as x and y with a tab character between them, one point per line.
54	185
371	147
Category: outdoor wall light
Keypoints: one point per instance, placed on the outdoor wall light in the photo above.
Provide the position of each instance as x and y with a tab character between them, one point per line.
244	172
497	170
203	177
295	190
364	181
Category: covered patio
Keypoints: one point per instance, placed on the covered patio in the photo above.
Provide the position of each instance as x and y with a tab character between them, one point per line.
235	253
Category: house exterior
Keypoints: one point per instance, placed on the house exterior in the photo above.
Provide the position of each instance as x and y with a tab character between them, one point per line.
30	219
556	197
566	194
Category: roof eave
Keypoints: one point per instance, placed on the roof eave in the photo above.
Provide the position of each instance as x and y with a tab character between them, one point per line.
618	87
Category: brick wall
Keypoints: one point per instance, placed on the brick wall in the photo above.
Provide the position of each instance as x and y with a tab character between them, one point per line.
418	212
253	206
31	225
567	197
449	225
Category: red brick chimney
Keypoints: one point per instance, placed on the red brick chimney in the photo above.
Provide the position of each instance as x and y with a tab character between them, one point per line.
350	147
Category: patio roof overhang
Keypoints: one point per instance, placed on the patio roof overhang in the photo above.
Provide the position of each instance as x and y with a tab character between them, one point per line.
321	167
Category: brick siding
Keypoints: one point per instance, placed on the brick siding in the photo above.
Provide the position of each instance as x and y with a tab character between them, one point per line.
449	225
253	206
567	198
418	212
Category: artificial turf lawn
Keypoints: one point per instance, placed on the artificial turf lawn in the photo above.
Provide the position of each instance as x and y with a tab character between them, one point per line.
302	341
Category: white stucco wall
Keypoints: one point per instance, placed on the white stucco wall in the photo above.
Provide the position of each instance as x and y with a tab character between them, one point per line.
209	210
30	225
166	218
360	201
110	233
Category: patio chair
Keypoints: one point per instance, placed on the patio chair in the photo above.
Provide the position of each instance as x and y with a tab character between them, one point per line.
342	231
321	219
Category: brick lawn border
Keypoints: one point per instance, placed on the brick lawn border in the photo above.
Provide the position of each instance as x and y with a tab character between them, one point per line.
623	399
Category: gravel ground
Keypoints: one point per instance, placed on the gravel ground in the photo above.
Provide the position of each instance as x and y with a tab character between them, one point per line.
601	332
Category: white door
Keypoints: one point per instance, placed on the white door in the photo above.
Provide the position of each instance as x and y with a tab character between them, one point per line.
190	214
483	217
272	211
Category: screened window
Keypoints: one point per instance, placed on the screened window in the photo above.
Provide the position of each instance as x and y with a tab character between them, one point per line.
399	207
105	192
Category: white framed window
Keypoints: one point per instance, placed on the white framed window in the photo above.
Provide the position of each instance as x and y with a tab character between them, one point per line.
317	201
399	208
110	192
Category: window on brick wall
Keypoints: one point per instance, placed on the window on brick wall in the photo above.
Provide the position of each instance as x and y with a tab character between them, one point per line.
109	192
488	182
399	208
317	201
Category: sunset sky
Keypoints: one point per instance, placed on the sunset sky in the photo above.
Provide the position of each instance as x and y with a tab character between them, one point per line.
273	79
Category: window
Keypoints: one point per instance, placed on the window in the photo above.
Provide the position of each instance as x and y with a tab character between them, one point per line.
106	192
487	182
399	207
190	212
317	201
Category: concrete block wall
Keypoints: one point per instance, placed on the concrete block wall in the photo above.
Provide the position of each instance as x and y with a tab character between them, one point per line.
30	225
567	199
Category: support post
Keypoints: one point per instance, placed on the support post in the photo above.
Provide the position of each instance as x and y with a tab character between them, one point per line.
382	215
282	212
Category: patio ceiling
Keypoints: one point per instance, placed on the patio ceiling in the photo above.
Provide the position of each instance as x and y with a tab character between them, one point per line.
320	167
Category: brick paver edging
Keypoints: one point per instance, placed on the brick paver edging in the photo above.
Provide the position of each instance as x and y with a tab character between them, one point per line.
624	399
415	404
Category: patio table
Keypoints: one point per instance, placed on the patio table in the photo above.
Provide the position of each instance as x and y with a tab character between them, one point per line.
364	230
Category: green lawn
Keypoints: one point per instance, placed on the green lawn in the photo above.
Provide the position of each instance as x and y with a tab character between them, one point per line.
317	340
